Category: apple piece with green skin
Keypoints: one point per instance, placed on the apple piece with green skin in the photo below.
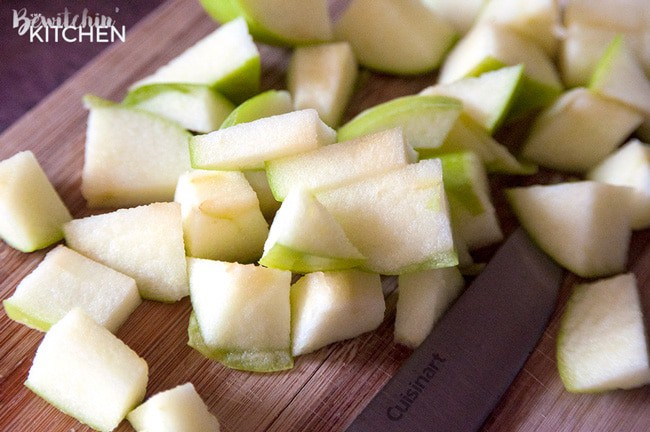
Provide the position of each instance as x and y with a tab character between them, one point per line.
128	241
488	97
578	131
292	245
221	215
227	60
66	279
340	163
473	215
178	409
425	120
467	135
277	22
266	104
85	371
404	38
459	13
242	314
132	157
629	166
422	299
601	343
32	213
583	225
488	47
323	77
405	208
328	307
534	19
246	146
196	107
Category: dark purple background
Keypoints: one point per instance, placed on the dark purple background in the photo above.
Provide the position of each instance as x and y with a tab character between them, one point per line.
30	71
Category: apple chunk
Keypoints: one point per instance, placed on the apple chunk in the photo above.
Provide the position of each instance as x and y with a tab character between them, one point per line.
32	213
602	342
87	372
66	279
328	307
241	314
405	208
143	242
178	409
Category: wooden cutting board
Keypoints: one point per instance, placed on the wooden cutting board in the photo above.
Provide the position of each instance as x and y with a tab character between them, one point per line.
325	389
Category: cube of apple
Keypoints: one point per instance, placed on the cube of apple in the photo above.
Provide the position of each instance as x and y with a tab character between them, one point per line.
132	157
602	343
66	279
221	214
178	409
398	220
277	22
87	372
32	213
473	215
196	107
144	242
400	37
242	314
629	166
265	104
292	245
340	163
584	225
323	77
246	146
423	297
328	307
425	120
578	131
226	59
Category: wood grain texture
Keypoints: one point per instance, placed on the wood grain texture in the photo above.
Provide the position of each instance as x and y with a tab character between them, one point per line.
327	388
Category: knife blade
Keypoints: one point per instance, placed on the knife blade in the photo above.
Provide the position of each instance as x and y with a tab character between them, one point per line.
456	377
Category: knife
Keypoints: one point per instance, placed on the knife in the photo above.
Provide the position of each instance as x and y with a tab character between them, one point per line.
456	377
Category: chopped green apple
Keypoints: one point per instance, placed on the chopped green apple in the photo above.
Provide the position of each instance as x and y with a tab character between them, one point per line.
87	372
221	214
398	220
422	299
66	279
323	77
602	343
473	215
178	409
328	307
132	157
196	107
629	166
242	312
266	104
32	213
578	131
144	242
488	97
277	22
246	146
292	245
226	59
340	163
538	20
583	225
400	37
425	120
459	13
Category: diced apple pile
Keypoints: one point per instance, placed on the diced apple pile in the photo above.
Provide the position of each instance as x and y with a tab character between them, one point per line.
278	221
